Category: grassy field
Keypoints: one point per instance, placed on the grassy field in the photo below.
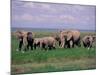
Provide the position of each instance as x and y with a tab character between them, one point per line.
59	59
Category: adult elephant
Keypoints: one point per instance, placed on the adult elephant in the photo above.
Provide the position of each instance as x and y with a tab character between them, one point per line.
30	40
69	38
24	39
88	41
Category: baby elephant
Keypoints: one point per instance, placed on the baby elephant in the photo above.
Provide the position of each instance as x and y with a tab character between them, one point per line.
36	42
88	41
47	43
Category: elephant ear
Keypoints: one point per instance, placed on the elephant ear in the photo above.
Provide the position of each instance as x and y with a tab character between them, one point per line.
29	36
69	35
56	37
18	34
94	38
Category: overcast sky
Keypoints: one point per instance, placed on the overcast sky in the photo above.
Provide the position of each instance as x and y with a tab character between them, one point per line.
50	15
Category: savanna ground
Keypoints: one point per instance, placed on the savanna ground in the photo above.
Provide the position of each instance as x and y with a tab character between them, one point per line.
59	59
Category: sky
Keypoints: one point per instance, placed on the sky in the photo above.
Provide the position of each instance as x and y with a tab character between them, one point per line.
52	15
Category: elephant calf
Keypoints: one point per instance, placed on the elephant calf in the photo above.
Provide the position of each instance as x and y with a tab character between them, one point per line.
88	41
36	42
47	43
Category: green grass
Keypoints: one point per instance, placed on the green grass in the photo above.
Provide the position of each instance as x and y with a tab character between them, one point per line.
44	56
59	59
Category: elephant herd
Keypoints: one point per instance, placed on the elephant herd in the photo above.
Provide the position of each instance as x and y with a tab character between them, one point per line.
66	39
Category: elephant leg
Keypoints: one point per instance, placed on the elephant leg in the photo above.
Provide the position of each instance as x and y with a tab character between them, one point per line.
25	43
50	47
44	46
31	45
59	43
84	45
68	44
54	47
34	46
28	46
38	44
79	43
90	46
24	48
20	45
63	44
71	44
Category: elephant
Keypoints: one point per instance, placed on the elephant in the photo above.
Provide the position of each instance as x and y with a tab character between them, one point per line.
30	40
25	39
36	42
69	38
47	43
88	41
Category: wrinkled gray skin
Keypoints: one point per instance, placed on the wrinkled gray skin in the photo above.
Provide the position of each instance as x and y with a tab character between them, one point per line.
88	41
69	38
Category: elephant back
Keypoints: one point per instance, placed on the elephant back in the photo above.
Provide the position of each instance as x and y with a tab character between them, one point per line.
37	40
76	35
69	34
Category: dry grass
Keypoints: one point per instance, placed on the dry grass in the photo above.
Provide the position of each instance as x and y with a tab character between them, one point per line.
78	64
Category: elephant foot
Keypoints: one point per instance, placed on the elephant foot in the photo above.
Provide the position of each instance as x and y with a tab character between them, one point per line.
17	50
88	48
62	47
45	48
54	48
31	49
23	51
